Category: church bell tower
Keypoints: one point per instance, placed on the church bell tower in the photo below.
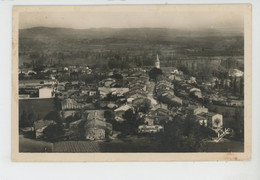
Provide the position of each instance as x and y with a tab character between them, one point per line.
157	62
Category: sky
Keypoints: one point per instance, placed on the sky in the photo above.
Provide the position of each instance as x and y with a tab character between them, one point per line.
132	17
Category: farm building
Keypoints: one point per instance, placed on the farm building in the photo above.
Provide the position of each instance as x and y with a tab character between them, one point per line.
96	127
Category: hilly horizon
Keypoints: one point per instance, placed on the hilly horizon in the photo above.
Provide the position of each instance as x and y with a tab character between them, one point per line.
83	45
124	33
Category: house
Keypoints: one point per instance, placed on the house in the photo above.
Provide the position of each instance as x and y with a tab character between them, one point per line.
70	104
149	120
95	134
161	115
234	102
138	101
150	128
130	100
119	119
215	121
164	85
192	80
96	128
161	105
92	93
123	108
196	92
235	73
135	91
45	92
176	99
75	124
104	91
61	87
138	86
138	95
40	125
89	106
24	96
94	114
112	105
196	109
120	111
107	82
202	119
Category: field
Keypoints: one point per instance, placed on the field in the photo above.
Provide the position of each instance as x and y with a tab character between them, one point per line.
132	144
117	145
222	109
225	146
76	146
31	145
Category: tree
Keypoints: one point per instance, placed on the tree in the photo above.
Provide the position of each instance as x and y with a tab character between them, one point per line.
129	115
182	135
30	119
57	103
235	84
53	132
144	106
23	119
109	116
184	69
154	73
190	124
238	124
130	126
38	68
241	88
110	97
227	114
26	120
70	119
117	76
53	115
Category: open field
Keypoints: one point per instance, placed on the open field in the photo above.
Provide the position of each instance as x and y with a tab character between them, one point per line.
222	109
132	144
116	145
31	145
76	146
225	146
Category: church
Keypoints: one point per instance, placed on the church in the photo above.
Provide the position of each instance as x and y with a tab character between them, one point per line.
157	62
156	71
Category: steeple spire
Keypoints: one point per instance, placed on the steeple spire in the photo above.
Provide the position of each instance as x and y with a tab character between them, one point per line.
157	62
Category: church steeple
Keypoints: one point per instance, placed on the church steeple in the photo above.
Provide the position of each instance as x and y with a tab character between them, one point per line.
157	62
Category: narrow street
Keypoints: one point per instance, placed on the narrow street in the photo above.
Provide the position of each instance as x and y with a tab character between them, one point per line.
150	90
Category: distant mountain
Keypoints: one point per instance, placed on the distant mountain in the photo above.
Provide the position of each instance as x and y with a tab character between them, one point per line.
102	44
122	33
